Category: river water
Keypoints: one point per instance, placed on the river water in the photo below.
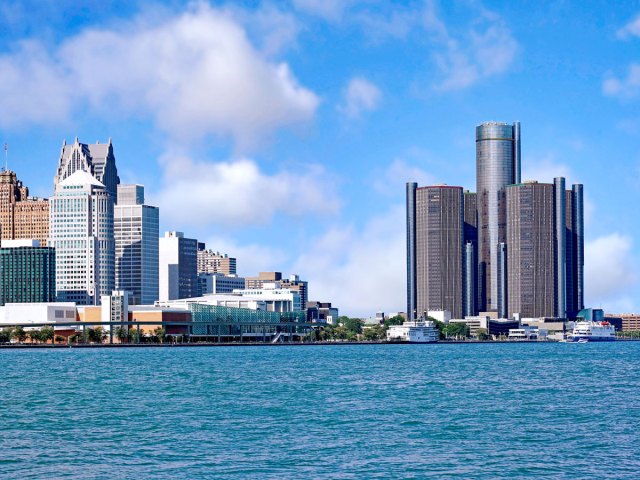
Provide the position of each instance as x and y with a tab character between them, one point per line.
544	410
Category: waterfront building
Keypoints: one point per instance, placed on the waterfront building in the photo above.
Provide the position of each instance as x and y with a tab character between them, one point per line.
81	231
96	159
219	283
293	283
27	272
630	322
178	274
497	165
435	231
21	217
322	312
136	231
277	299
574	253
210	261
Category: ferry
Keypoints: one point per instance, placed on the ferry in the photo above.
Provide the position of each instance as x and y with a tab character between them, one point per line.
414	332
585	331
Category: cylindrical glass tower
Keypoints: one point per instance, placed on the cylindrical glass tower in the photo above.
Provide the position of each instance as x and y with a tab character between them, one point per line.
497	165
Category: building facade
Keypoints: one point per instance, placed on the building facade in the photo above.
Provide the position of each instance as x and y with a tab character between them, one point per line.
497	165
96	159
136	231
435	249
210	261
178	272
27	272
531	256
219	283
81	231
21	217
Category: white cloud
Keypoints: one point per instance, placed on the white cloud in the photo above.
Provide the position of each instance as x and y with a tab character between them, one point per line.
544	169
631	29
359	271
195	74
485	50
360	96
624	88
239	193
610	275
394	179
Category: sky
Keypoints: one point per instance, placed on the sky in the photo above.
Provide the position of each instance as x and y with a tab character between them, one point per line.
283	133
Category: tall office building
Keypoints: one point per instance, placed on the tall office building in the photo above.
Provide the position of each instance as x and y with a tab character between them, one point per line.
136	231
544	244
97	159
435	226
178	262
21	217
531	257
27	272
81	230
497	165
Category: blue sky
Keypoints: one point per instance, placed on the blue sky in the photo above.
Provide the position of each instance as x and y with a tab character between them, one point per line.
282	133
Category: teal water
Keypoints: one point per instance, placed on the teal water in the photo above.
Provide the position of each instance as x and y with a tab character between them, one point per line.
375	411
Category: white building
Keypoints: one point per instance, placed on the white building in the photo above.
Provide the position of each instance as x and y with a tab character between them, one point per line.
474	323
277	299
81	230
178	260
219	283
219	300
37	313
441	315
136	231
115	308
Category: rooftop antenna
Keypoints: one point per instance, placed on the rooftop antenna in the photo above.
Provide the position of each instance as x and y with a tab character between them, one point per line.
6	156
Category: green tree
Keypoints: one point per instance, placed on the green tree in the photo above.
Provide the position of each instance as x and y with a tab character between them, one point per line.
6	334
35	335
483	334
395	320
377	332
340	332
95	335
121	334
457	330
353	325
59	339
47	333
135	335
19	334
160	334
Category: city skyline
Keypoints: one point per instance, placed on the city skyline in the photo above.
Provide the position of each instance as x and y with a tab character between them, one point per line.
302	171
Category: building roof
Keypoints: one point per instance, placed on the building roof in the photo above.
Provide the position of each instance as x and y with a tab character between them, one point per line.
80	177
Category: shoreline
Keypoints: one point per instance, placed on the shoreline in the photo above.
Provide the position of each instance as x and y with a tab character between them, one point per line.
308	344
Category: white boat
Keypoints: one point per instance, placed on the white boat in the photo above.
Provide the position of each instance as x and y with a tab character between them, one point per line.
414	332
585	331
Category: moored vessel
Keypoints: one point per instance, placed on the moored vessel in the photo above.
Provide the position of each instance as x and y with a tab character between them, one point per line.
585	331
414	332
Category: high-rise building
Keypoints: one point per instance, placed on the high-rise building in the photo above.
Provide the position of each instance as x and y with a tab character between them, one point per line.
97	159
497	165
136	231
81	230
178	273
210	261
27	272
21	217
531	256
436	227
543	249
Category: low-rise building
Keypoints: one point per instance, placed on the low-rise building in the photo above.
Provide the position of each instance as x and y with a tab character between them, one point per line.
322	312
219	283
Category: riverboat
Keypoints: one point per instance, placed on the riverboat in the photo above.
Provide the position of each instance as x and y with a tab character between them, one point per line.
414	332
585	331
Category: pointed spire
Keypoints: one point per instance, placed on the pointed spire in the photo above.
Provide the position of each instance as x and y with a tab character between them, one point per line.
109	140
77	142
64	142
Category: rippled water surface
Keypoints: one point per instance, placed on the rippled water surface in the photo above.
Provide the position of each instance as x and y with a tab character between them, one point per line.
375	411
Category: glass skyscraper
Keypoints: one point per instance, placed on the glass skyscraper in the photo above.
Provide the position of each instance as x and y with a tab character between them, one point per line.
497	165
